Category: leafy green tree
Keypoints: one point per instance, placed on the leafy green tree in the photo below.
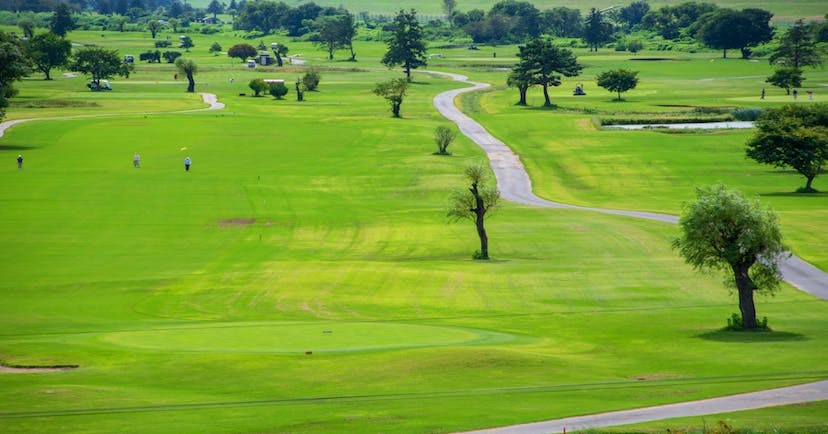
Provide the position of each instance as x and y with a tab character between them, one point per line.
597	31
563	22
797	48
331	30
793	136
171	56
724	231
47	51
728	29
311	79
173	22
618	80
394	92
242	51
27	26
150	56
215	49
443	136
186	43
62	22
279	51
635	45
100	63
153	26
120	22
188	68
634	13
522	80
543	61
264	16
215	8
278	90
786	78
258	85
406	46
474	203
301	88
14	65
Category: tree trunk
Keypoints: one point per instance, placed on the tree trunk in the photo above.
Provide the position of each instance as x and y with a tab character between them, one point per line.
480	213
191	85
395	108
48	77
808	184
522	91
330	53
353	55
619	95
724	53
408	71
546	93
745	287
278	59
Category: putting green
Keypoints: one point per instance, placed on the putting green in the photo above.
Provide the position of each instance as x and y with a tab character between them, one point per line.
292	338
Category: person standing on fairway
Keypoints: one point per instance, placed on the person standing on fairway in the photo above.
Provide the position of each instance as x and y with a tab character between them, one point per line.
136	161
19	162
187	163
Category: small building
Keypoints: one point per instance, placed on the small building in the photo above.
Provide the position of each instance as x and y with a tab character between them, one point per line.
265	59
129	58
210	20
251	63
274	81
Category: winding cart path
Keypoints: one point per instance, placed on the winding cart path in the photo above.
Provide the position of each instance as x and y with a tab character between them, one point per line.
514	185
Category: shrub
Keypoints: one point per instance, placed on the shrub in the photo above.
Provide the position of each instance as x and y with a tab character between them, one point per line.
278	90
734	324
162	44
311	79
443	136
170	56
746	113
258	85
150	56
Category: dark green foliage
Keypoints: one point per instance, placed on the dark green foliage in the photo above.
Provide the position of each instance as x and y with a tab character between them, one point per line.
405	45
394	92
215	8
670	21
162	44
727	29
563	22
100	63
632	14
153	26
797	48
186	43
724	231
242	51
171	56
787	78
311	79
62	22
793	136
278	90
14	65
542	61
150	56
618	80
597	31
335	32
48	51
27	26
215	48
279	51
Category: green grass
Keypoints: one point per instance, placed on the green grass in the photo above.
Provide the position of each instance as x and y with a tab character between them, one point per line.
807	417
189	300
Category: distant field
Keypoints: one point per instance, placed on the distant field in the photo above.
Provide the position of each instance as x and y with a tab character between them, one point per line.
302	277
786	11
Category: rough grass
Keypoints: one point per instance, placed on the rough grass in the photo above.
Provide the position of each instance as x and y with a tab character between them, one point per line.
105	265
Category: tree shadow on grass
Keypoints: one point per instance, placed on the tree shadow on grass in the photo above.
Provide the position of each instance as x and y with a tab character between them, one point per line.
15	148
752	337
820	194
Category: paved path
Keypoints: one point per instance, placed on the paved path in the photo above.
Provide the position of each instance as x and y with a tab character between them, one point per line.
514	185
767	398
208	98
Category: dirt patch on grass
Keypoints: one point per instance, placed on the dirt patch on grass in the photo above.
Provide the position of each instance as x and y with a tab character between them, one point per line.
19	369
235	223
658	59
655	376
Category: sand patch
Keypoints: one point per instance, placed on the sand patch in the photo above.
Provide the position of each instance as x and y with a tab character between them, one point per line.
235	223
